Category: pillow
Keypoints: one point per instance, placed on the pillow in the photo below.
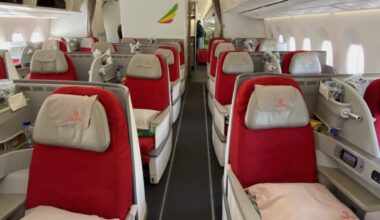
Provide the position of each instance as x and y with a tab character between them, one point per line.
49	61
48	212
146	66
238	62
276	107
297	201
305	63
72	121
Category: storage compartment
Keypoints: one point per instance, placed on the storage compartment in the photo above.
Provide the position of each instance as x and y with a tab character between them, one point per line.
52	3
331	112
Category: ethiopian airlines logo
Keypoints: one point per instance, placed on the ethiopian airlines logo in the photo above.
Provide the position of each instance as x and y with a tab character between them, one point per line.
169	16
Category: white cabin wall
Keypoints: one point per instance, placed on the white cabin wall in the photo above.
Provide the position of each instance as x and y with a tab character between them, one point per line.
139	19
237	26
27	27
342	29
111	15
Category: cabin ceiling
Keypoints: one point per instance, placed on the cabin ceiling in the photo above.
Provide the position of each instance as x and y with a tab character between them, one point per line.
204	7
280	8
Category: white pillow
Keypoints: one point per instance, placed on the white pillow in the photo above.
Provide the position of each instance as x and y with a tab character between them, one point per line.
297	201
48	212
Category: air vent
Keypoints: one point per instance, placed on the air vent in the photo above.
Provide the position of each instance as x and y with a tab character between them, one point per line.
264	6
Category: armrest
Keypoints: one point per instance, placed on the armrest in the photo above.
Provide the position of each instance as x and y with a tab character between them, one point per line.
162	125
132	213
160	118
237	203
172	84
10	203
221	109
15	160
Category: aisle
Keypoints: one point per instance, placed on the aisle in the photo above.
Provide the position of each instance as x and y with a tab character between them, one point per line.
191	187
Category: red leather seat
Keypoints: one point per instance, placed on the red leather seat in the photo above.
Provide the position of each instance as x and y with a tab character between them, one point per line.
372	97
216	50
202	56
87	43
174	68
210	43
81	179
3	71
52	65
275	154
287	60
7	67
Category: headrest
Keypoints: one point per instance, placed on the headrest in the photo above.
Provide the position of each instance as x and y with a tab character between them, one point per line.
72	121
217	41
238	62
167	54
128	41
48	61
276	107
221	47
50	44
177	45
87	42
268	45
305	63
103	47
146	66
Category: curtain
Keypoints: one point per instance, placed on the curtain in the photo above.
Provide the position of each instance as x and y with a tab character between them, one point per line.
91	4
218	11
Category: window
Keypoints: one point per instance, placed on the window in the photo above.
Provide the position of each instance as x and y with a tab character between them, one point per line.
36	37
17	37
292	44
306	44
327	46
355	59
281	39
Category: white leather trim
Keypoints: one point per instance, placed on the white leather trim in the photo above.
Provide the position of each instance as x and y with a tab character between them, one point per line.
305	63
167	54
238	62
144	118
276	107
222	47
145	66
74	122
49	61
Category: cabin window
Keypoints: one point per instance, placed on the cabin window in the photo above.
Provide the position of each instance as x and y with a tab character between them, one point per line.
281	39
292	44
17	37
306	44
36	37
355	59
327	46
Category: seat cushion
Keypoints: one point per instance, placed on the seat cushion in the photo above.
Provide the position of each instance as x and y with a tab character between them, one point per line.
48	212
297	201
144	117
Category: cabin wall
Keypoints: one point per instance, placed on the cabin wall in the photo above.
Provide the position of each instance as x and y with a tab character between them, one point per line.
140	19
237	26
342	29
111	15
29	29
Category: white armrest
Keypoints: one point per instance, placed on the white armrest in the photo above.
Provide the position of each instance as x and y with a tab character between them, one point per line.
15	160
236	200
176	91
162	125
219	119
221	109
132	213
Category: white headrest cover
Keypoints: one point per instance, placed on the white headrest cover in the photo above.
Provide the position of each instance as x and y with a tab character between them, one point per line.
49	61
177	45
276	107
222	47
268	45
103	47
128	41
74	122
305	63
217	41
50	44
167	54
146	66
238	62
87	42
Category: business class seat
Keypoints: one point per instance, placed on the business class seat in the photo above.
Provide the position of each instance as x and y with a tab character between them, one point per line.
181	52
230	65
148	82
103	47
211	42
216	51
52	65
301	62
128	40
7	68
372	98
172	58
54	44
87	43
272	155
266	45
82	162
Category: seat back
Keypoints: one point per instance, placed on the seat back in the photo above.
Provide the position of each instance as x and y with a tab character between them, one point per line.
372	97
148	82
266	45
210	43
172	59
301	62
128	40
230	65
181	50
55	44
86	44
82	158
51	65
271	140
217	49
103	47
7	68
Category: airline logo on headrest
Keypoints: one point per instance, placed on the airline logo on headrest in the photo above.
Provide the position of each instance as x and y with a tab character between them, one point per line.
75	117
169	16
281	103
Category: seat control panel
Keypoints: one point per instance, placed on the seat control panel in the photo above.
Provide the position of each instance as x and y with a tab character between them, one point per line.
349	158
